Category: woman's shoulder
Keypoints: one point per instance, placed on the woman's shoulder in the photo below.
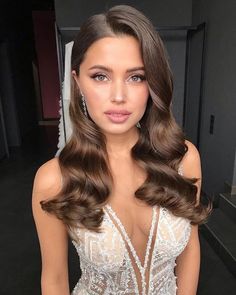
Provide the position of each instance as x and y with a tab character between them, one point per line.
191	162
192	150
47	180
51	165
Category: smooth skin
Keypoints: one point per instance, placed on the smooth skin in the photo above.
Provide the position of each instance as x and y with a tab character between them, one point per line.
111	85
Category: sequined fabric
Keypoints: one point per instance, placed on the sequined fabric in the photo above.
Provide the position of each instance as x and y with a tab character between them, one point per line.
107	259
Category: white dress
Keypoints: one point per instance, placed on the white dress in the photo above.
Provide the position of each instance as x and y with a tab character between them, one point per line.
110	264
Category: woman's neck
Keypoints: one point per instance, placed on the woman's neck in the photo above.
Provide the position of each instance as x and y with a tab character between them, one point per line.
119	145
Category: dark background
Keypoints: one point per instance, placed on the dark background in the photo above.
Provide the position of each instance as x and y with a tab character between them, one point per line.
29	121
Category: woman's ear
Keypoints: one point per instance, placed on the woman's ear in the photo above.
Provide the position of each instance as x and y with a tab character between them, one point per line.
73	73
75	77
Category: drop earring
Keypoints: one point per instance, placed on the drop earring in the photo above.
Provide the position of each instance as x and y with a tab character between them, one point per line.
138	125
84	105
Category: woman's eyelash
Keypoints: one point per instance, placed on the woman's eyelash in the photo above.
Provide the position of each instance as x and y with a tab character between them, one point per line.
97	75
141	77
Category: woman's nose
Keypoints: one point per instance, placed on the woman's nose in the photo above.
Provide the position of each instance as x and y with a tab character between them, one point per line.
118	91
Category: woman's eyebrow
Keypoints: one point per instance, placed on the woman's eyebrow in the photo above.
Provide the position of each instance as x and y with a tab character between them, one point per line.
101	67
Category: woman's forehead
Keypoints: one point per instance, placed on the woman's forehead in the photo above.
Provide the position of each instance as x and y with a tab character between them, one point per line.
114	51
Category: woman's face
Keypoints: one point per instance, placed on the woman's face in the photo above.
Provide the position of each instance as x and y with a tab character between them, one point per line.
112	79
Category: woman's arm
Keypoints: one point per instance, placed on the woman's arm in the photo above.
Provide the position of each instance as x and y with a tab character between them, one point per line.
188	262
51	231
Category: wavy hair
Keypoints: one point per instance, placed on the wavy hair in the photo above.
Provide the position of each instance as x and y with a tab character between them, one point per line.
84	163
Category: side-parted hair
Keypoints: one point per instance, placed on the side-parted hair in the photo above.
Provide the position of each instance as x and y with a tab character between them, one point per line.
86	174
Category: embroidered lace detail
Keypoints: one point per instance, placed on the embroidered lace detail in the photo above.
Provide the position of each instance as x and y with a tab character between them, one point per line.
141	268
106	263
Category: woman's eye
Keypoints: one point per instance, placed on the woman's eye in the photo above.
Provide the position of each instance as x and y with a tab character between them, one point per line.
138	78
99	77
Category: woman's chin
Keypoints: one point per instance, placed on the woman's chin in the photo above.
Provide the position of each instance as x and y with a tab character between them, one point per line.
118	129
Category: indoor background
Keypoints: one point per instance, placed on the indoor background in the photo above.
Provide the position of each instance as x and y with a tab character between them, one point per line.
200	37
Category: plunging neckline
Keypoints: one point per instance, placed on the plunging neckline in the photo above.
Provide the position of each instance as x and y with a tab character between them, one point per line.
127	239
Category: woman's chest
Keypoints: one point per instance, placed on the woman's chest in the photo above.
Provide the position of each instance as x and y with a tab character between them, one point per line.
108	250
134	215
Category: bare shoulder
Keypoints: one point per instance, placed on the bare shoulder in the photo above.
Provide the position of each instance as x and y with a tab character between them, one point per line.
191	162
51	230
47	180
192	150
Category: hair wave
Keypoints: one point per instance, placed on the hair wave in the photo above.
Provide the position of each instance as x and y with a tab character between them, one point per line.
84	164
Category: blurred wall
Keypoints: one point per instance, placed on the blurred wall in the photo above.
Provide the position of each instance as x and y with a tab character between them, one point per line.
169	12
45	45
219	88
16	78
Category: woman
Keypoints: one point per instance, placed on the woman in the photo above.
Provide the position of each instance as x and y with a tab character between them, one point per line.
115	187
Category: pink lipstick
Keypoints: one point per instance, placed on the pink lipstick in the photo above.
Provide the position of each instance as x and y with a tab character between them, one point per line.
117	116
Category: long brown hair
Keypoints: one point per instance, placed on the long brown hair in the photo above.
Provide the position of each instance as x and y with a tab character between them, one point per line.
84	164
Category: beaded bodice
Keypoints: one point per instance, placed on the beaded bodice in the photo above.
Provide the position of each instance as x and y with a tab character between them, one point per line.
110	264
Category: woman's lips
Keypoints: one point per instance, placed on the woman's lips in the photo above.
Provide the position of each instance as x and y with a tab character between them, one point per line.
117	117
